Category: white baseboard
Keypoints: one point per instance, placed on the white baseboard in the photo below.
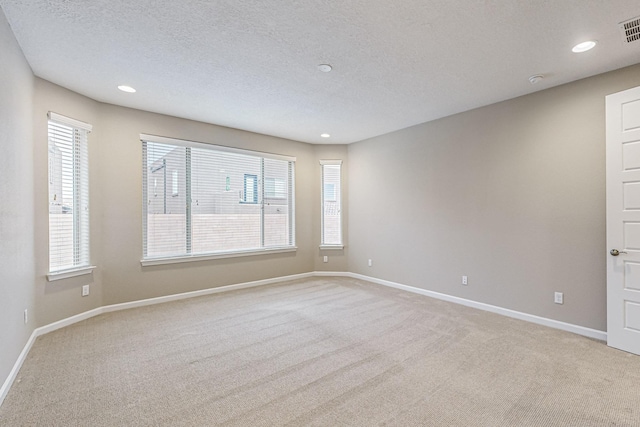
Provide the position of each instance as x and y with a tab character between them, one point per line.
576	329
332	274
68	321
16	367
193	294
580	330
159	300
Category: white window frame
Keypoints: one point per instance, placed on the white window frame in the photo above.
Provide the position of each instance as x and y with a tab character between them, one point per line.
80	264
180	258
336	196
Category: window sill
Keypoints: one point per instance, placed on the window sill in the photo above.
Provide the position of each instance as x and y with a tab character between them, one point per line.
59	275
222	255
331	247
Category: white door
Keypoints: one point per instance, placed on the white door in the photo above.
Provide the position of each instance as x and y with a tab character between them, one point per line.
623	220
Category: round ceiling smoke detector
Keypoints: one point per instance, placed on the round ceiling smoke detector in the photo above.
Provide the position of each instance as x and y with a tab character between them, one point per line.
325	68
535	78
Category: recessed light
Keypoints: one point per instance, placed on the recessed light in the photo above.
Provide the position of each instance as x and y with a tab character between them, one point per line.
325	135
584	46
126	88
325	68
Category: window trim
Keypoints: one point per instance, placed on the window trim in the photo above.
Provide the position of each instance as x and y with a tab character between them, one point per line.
65	274
69	121
83	267
332	246
180	258
218	255
195	144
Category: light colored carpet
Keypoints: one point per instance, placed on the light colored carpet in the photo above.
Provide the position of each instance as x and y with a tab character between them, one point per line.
320	352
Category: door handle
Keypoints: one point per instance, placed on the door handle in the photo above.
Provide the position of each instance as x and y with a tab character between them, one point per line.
616	252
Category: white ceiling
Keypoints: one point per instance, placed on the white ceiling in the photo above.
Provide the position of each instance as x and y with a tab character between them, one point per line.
252	64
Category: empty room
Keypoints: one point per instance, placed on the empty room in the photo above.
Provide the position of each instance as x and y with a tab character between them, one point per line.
320	213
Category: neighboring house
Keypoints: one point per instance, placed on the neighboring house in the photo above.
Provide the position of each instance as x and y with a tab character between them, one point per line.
236	198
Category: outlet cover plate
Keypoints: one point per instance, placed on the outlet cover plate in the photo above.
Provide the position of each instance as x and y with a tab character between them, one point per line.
558	298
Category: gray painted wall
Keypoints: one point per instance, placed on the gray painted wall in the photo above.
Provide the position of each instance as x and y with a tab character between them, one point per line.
16	212
512	195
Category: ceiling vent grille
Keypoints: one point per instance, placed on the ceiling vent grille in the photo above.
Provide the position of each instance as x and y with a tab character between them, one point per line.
631	30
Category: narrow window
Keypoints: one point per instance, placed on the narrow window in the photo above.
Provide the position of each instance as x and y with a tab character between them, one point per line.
331	204
68	196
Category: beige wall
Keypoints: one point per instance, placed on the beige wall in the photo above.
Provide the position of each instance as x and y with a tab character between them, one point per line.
16	212
115	159
121	214
116	208
62	298
512	195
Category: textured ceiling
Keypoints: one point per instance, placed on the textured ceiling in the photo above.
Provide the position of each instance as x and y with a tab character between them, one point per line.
252	64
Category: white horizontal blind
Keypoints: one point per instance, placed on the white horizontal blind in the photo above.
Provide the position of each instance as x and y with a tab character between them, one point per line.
201	199
68	193
331	202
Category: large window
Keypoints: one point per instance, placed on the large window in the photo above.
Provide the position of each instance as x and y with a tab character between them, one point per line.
68	197
220	201
331	204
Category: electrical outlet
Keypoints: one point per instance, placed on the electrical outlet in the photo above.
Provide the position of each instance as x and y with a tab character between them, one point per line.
26	315
85	290
370	263
325	259
465	281
558	298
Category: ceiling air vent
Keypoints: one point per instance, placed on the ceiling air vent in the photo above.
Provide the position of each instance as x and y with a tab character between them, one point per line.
631	30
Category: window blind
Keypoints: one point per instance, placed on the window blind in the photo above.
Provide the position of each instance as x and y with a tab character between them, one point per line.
202	199
68	193
331	203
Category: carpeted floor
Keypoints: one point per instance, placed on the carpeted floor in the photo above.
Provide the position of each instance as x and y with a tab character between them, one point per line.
320	352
